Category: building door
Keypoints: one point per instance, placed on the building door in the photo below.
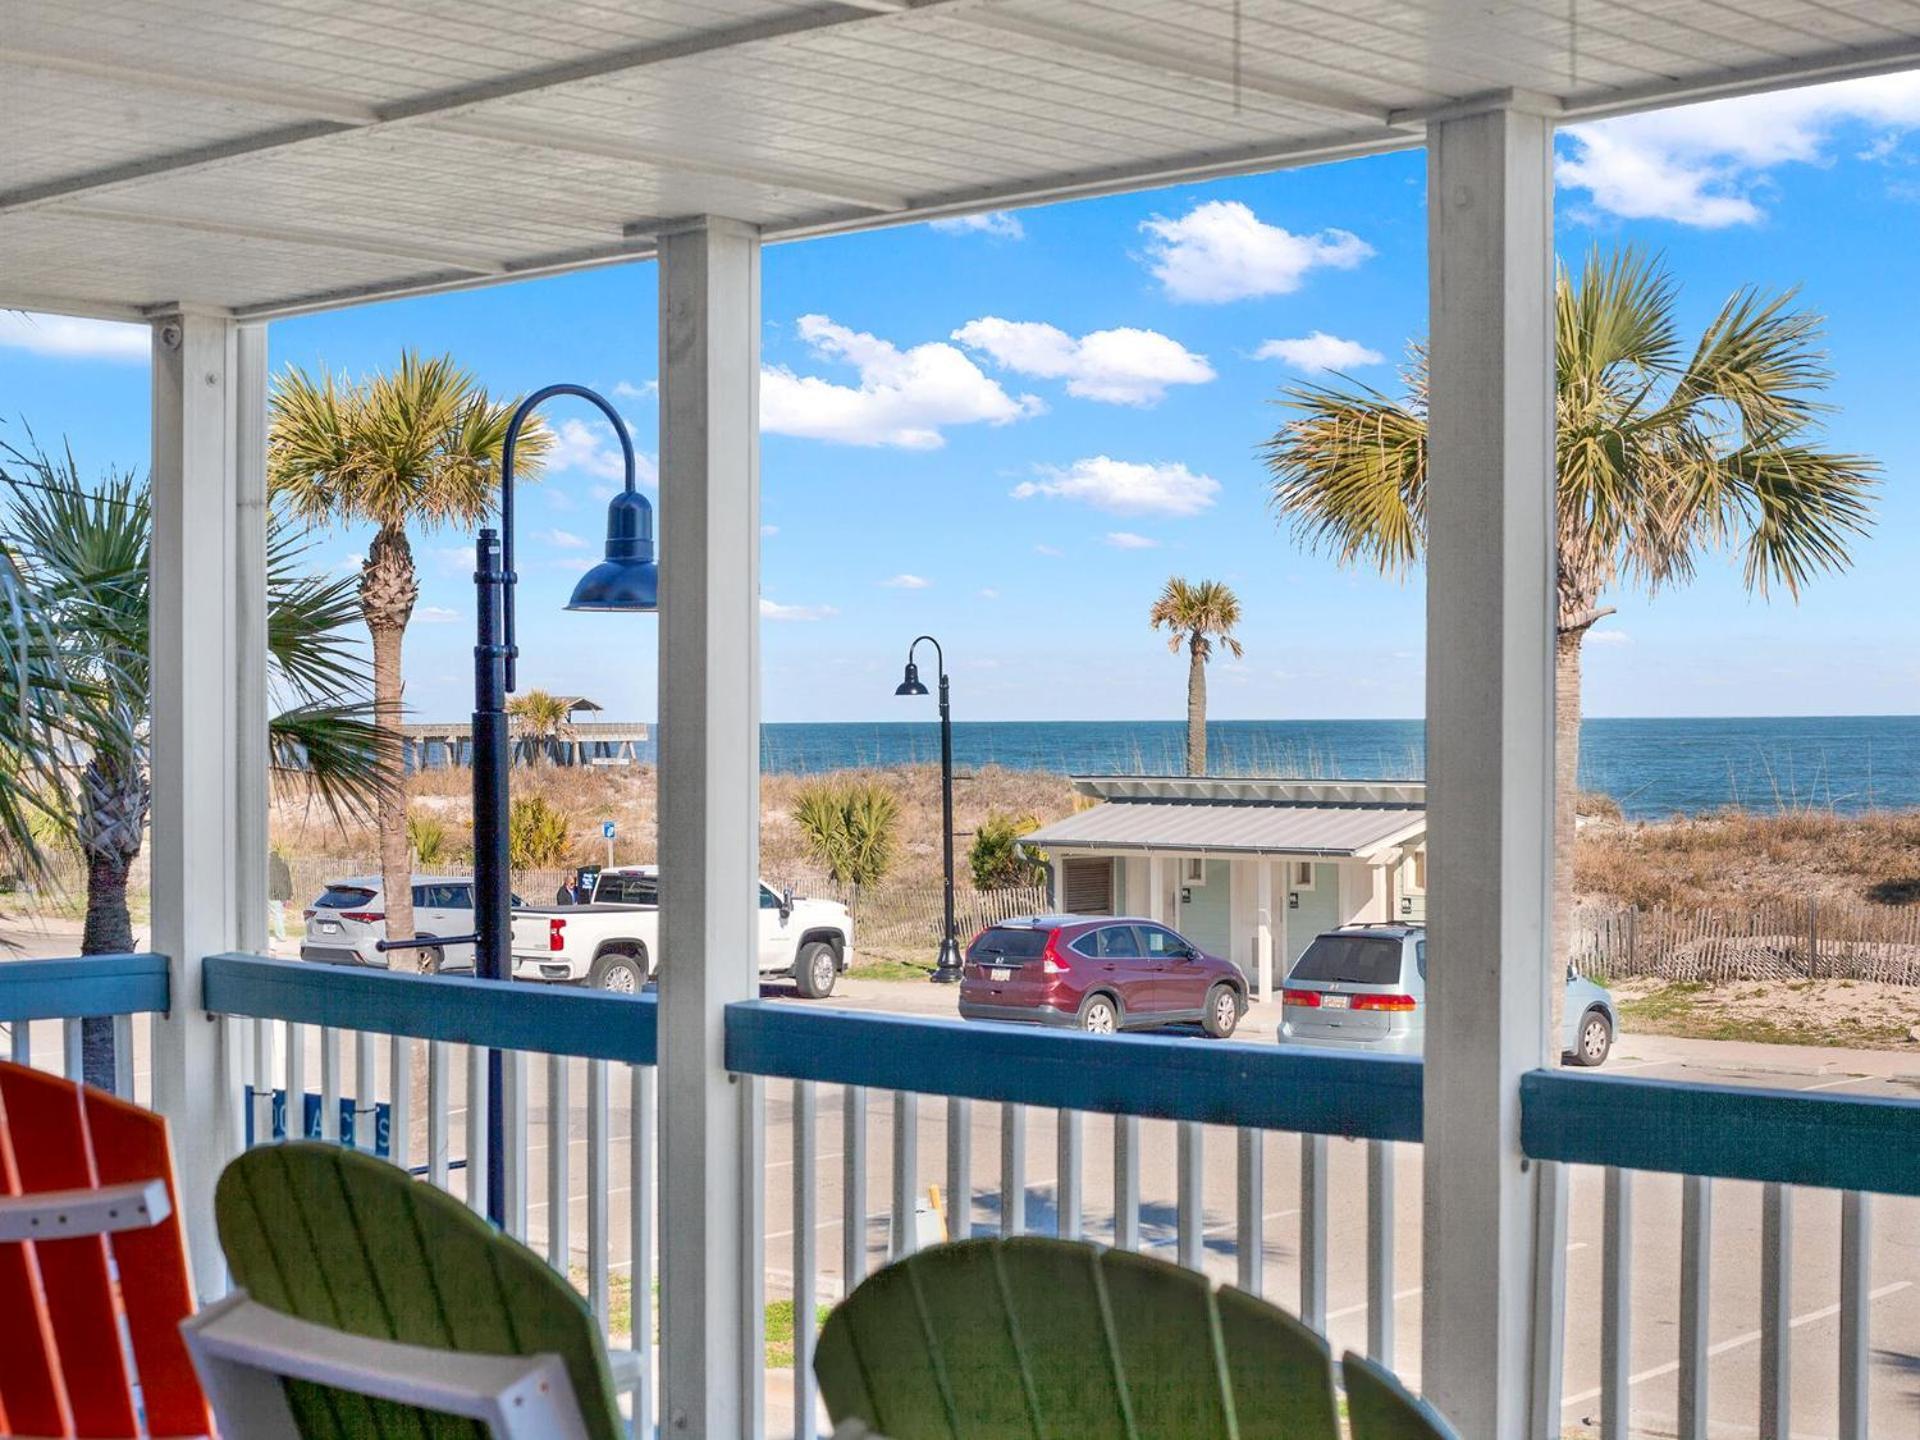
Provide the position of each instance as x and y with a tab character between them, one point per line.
1311	896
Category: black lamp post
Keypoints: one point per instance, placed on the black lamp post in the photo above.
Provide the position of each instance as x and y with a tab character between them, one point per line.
627	580
946	970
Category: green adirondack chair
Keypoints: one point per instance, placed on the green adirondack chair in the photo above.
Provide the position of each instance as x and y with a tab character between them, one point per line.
1379	1407
1029	1337
348	1242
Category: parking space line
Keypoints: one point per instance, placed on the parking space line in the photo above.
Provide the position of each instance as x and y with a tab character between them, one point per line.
1842	1080
1812	1317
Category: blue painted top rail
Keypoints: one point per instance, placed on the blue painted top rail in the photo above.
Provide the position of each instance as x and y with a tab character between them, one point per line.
518	1015
83	987
1265	1087
1836	1141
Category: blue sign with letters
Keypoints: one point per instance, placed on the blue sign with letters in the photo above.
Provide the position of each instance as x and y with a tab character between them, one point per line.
310	1120
606	829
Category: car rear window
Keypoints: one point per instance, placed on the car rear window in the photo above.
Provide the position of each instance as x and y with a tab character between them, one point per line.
1351	959
344	897
626	890
1007	942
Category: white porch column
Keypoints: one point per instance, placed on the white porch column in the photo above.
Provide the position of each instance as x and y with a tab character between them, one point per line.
1263	927
1157	888
1489	747
709	816
208	782
251	706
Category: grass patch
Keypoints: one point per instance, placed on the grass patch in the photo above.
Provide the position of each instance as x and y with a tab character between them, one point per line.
779	1316
879	967
1697	1011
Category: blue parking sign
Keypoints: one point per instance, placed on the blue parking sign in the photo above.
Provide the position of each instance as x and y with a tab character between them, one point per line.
606	829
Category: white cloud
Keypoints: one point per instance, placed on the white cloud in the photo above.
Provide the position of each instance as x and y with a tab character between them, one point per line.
351	563
1052	552
904	398
588	446
457	560
1706	165
1318	352
1609	637
989	594
996	223
907	582
769	530
564	540
772	610
1125	486
435	615
1121	367
70	338
1222	251
1127	540
645	390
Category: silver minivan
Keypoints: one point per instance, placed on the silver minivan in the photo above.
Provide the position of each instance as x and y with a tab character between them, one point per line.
1364	987
351	915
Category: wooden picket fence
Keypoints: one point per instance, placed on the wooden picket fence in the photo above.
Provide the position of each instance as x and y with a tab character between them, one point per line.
1813	940
903	922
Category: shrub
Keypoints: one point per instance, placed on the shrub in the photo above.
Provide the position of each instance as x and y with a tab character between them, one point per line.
850	828
539	834
995	856
430	840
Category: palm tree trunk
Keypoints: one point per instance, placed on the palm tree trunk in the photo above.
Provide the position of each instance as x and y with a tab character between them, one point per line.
1566	788
1196	711
113	817
108	931
396	857
388	589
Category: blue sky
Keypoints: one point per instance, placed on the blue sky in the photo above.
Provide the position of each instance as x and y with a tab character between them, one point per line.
1010	432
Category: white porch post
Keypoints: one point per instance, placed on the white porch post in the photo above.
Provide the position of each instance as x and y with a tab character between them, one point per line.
1263	926
1489	747
1157	888
709	816
206	777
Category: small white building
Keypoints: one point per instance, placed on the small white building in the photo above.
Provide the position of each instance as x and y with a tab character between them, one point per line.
1251	869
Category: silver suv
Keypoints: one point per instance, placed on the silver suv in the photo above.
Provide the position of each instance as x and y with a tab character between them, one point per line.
344	923
1364	987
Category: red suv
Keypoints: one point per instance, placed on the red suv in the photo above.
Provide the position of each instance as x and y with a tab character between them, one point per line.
1098	972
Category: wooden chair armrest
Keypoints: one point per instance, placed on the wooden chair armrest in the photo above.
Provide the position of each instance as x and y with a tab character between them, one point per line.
63	1214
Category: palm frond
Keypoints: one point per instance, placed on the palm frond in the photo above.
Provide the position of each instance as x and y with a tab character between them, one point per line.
1349	475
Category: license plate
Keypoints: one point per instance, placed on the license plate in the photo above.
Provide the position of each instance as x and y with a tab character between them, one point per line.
1335	1002
329	929
1000	974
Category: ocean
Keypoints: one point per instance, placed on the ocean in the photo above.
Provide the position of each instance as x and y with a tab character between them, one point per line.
1653	768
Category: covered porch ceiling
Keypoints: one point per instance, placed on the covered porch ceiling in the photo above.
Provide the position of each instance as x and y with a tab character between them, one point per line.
261	158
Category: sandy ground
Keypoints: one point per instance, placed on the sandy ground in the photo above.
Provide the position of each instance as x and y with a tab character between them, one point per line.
1862	1014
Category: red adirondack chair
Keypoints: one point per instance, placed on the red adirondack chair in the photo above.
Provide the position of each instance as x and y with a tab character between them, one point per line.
90	1237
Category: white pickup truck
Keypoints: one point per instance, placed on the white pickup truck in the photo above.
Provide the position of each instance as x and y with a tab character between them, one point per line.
613	942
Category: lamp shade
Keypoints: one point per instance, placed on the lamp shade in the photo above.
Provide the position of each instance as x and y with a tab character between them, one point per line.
911	684
628	579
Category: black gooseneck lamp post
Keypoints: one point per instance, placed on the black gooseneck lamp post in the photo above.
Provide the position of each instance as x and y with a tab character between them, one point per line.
946	970
626	580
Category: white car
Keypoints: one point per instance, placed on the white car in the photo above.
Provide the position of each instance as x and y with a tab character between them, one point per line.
613	941
351	915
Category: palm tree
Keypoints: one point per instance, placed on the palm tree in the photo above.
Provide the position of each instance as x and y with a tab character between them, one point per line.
540	719
1663	455
1197	615
419	448
84	556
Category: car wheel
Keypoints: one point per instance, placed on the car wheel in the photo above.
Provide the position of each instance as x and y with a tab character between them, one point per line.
1100	1015
1595	1040
1222	1012
815	969
619	972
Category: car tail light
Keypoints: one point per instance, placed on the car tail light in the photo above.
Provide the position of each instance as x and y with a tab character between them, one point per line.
556	935
1052	962
1385	1002
1306	999
308	914
364	917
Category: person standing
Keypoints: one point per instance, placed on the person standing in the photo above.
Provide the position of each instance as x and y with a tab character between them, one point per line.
279	891
568	893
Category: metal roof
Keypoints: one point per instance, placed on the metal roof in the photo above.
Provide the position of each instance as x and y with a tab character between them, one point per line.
263	157
1195	828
